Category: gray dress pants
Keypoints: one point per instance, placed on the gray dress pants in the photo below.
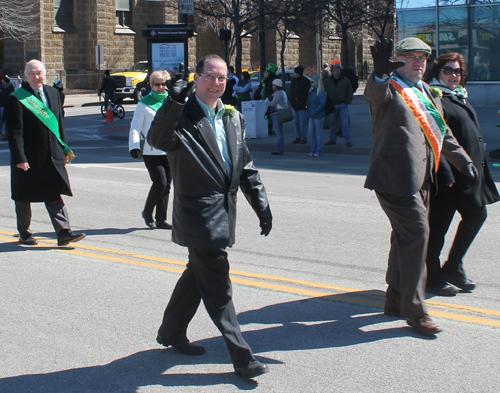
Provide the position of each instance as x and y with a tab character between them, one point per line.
406	272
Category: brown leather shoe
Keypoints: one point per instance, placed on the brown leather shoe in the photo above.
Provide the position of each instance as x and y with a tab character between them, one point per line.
424	325
391	307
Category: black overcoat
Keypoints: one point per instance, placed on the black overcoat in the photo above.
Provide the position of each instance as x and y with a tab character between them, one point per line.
462	120
31	141
204	208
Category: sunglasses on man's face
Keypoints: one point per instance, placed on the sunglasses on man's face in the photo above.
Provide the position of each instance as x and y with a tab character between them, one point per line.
452	71
160	84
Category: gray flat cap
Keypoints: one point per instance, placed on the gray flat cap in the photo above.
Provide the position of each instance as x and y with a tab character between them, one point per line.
412	44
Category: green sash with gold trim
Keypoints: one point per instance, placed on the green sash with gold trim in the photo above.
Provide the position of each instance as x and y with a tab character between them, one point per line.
45	115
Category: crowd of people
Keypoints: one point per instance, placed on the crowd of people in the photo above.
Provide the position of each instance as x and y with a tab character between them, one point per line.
427	163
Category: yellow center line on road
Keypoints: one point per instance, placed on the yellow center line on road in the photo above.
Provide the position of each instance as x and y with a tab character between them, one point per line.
347	295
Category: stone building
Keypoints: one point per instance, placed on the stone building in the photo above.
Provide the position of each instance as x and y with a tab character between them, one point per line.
70	30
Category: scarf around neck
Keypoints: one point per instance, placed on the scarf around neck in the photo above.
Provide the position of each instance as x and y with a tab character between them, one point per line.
154	100
460	91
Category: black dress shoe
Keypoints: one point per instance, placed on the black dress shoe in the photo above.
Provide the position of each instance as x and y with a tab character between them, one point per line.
303	141
442	290
149	221
183	346
297	140
254	369
424	325
330	143
29	241
391	306
66	236
461	282
163	225
275	153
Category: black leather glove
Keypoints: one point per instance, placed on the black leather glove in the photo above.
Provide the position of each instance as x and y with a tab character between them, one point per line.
382	55
266	223
471	174
135	153
178	87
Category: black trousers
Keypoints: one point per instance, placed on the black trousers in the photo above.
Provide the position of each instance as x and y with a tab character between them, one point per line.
410	233
57	212
159	172
206	277
440	219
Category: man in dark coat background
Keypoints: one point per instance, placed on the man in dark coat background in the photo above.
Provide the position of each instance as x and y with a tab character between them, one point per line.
38	161
108	86
299	92
210	160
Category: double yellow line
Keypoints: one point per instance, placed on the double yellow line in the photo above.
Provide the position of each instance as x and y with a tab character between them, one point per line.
371	298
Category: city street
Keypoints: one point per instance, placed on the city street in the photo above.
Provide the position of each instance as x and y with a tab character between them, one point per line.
309	296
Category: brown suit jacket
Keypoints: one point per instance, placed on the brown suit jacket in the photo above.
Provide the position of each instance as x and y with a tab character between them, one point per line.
400	153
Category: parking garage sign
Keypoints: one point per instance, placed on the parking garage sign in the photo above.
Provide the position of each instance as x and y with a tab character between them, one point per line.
186	6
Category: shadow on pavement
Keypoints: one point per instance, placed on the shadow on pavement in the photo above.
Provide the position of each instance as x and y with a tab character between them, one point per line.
324	322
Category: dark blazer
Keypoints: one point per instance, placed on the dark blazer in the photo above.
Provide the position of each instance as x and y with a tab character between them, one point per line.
462	120
400	153
31	141
204	209
299	91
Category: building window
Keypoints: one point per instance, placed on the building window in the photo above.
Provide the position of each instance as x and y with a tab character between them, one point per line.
63	15
484	61
123	14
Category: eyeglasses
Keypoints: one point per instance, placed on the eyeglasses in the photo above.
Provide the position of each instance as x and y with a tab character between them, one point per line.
452	71
160	84
413	59
211	78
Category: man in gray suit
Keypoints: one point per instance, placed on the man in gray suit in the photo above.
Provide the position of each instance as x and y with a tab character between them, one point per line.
409	138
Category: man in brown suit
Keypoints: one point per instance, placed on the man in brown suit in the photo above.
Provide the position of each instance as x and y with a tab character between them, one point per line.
403	163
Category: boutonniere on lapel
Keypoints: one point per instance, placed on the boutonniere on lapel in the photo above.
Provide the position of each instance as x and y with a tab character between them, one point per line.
229	112
436	93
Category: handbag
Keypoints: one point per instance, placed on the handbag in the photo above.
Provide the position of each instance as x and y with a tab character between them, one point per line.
285	115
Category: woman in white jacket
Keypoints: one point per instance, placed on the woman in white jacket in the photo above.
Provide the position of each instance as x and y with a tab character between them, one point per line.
155	160
277	101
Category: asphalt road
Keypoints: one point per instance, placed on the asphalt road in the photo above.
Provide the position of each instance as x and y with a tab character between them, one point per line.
309	296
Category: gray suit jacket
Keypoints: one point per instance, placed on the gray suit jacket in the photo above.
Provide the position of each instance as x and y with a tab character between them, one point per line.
400	153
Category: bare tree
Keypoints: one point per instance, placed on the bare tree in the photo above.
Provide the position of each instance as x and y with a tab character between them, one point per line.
380	17
239	16
290	17
348	16
19	18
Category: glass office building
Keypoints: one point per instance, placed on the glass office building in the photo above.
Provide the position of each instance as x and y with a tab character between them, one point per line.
470	27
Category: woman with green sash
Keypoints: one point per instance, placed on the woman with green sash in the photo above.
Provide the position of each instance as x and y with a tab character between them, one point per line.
155	160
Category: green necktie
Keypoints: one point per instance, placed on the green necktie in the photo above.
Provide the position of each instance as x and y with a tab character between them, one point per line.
42	97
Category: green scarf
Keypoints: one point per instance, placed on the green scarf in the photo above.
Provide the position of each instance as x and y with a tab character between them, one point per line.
154	100
45	115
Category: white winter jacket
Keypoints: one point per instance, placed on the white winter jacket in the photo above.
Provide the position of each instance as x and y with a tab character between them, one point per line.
143	116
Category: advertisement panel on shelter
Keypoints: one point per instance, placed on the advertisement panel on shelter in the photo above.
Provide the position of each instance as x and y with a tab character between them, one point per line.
167	56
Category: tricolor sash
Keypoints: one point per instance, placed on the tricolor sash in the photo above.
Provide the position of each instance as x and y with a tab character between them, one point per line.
45	115
425	112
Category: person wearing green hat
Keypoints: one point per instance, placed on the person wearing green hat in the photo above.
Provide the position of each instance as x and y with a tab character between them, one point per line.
409	137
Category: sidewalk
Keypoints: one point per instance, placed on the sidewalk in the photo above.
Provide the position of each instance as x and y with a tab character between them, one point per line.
361	133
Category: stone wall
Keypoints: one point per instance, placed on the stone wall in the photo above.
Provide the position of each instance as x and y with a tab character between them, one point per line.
71	52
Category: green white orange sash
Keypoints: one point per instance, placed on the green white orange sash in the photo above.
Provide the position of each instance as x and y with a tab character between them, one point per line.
45	115
426	114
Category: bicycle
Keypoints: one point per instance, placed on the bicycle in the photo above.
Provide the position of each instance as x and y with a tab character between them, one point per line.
116	109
